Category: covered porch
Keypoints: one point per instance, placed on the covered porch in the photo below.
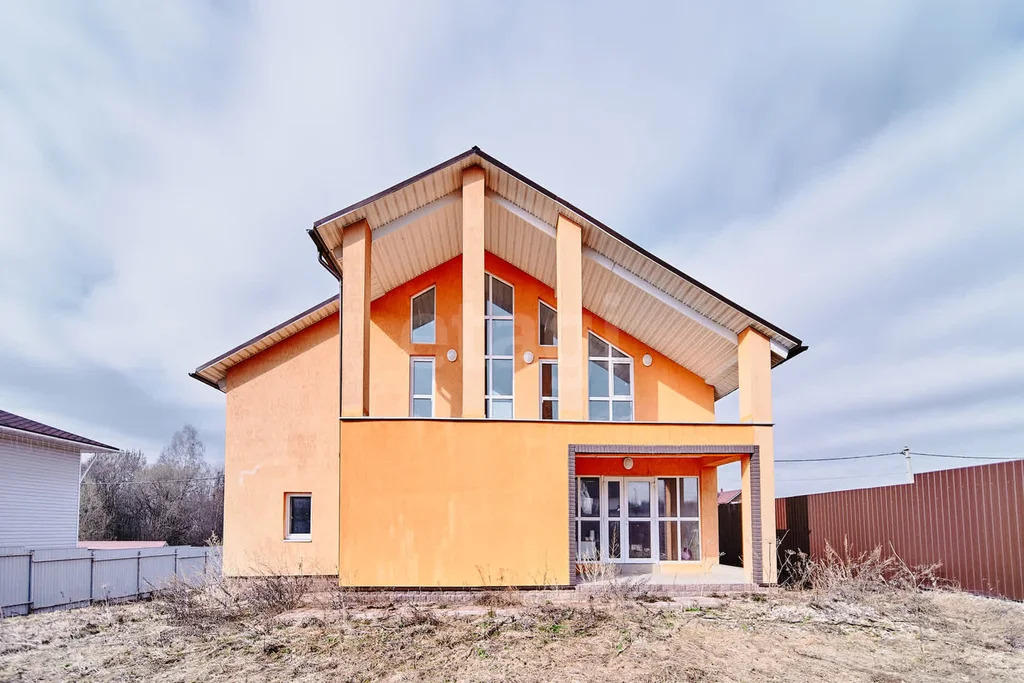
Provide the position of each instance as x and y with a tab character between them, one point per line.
653	510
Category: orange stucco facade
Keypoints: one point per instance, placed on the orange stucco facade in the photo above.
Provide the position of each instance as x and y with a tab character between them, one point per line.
457	500
412	502
282	437
665	391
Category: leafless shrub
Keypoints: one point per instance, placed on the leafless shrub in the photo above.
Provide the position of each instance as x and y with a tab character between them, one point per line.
847	574
199	603
508	597
594	571
601	580
270	594
207	600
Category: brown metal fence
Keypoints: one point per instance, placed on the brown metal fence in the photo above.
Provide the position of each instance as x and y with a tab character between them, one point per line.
971	520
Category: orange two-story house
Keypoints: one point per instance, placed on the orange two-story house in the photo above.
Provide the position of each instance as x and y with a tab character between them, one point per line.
503	389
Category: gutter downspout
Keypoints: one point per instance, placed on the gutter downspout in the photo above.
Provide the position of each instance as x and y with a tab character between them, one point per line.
323	255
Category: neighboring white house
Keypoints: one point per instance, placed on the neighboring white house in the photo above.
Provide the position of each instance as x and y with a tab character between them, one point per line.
40	470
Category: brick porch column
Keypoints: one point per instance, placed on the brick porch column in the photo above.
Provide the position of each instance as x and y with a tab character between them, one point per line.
755	388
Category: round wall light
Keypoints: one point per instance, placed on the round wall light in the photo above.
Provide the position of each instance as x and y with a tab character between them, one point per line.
528	357
627	463
452	355
647	360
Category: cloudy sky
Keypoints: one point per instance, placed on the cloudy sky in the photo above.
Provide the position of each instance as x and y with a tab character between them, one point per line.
855	177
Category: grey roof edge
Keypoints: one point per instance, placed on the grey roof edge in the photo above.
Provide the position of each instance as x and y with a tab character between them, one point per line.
799	346
23	425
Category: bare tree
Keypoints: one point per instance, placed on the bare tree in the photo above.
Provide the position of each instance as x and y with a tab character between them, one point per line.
178	499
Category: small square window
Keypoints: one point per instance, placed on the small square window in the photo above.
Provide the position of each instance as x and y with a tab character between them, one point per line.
298	507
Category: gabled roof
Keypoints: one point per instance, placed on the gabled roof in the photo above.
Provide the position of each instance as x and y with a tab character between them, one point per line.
215	371
726	497
16	423
416	226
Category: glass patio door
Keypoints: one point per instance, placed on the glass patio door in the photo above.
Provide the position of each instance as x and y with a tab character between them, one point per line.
639	521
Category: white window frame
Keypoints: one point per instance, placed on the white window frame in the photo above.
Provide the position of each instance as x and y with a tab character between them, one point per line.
678	519
411	309
489	368
601	515
288	535
623	520
433	383
611	398
554	399
540	306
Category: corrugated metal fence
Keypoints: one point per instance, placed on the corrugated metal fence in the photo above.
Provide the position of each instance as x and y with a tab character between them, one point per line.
971	520
65	578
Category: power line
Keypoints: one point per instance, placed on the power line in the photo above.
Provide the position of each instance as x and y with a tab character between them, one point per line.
844	457
156	481
852	476
967	457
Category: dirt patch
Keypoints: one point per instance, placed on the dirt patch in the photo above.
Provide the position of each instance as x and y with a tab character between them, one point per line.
779	635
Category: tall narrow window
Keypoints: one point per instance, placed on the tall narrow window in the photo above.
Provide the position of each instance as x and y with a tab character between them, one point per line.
679	518
588	519
547	319
422	387
548	390
499	347
423	315
610	382
298	513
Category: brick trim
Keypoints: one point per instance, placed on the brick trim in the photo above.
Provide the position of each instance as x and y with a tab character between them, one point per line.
631	449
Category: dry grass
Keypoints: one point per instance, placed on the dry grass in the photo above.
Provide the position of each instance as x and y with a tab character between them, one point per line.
848	574
795	635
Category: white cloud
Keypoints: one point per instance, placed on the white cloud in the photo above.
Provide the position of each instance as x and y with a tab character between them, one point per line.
160	166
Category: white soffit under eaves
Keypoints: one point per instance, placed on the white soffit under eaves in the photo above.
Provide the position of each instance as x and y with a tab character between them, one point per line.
448	180
656	324
400	255
512	239
218	370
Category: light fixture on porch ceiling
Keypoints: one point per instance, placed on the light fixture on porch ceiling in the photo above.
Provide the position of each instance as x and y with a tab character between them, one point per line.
627	463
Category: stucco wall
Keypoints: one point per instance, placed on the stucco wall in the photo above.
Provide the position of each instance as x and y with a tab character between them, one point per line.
665	391
282	437
469	503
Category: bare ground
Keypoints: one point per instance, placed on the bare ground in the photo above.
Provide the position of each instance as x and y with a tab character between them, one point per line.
783	635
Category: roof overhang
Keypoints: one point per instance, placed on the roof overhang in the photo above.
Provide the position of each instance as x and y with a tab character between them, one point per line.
71	441
416	225
214	373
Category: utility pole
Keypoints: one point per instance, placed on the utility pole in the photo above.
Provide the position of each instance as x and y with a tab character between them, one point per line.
910	471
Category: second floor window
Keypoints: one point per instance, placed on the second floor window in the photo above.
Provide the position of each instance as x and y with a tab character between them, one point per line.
423	314
422	387
547	320
499	347
548	390
610	382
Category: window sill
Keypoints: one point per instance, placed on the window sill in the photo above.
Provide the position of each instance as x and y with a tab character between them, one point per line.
298	540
